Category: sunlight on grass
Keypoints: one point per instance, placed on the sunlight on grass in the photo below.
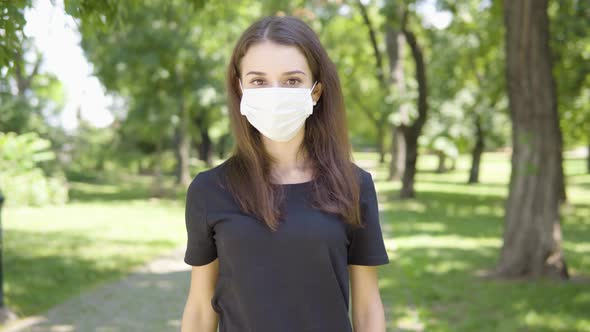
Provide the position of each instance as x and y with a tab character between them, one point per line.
450	241
80	245
560	321
438	242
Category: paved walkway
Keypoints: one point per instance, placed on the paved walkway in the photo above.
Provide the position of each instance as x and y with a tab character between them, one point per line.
150	299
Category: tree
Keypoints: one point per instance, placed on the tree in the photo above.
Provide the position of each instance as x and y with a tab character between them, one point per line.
162	57
365	98
11	25
395	43
380	116
397	23
532	234
468	105
23	89
570	38
413	130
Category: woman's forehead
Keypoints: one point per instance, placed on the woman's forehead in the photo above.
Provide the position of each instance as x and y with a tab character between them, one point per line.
273	59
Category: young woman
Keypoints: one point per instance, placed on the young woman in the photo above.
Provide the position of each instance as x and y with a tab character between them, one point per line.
277	231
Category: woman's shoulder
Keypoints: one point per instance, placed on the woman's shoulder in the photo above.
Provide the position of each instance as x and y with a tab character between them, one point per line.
208	179
364	175
366	183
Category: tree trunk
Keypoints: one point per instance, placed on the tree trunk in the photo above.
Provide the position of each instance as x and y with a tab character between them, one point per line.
182	151
477	151
205	147
398	154
141	170
181	135
380	121
395	41
532	234
411	138
411	133
182	144
100	162
221	146
23	79
442	157
157	189
380	141
562	191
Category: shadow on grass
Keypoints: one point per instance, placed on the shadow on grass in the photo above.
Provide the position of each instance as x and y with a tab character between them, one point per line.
442	240
124	188
84	192
581	180
458	183
440	282
445	213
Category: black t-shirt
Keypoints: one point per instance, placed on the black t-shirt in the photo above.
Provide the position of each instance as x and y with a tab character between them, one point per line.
293	280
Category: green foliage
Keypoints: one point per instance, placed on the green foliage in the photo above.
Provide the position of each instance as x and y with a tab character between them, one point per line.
12	22
90	149
24	91
22	180
15	112
467	79
570	45
354	59
167	60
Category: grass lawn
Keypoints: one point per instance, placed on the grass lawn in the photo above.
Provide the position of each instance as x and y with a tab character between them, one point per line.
51	253
436	243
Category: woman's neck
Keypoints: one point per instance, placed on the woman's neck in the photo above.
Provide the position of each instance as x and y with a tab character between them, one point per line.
290	166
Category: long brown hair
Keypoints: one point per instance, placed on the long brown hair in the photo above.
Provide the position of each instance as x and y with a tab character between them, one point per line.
325	144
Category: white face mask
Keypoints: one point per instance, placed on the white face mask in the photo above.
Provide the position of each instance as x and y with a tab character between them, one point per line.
278	113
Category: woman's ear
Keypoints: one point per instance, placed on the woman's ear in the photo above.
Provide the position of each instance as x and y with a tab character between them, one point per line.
241	90
317	93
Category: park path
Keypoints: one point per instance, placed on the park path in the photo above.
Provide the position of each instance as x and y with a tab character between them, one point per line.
150	299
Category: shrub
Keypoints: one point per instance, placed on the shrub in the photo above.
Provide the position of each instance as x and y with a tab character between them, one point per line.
22	181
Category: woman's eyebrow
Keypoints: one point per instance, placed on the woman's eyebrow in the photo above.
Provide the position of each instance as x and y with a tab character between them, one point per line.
255	73
285	73
293	72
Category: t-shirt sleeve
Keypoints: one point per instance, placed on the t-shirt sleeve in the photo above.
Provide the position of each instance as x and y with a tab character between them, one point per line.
200	248
367	246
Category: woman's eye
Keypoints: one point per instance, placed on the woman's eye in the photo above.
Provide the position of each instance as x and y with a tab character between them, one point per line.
293	81
256	80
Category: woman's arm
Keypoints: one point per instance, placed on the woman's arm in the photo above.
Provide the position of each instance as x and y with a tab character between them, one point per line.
198	315
367	309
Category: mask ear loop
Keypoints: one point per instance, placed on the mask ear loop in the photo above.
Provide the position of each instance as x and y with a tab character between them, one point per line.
311	91
241	87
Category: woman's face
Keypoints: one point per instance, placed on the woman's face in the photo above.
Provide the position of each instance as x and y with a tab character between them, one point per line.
269	64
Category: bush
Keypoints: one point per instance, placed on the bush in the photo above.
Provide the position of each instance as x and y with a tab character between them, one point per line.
22	181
